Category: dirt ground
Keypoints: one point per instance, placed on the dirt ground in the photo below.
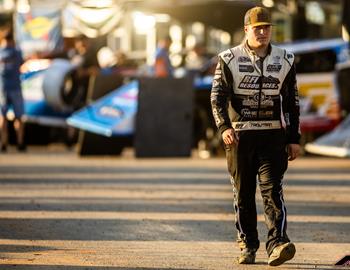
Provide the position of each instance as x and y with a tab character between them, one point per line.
59	211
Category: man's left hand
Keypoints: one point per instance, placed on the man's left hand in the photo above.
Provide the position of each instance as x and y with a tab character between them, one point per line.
293	151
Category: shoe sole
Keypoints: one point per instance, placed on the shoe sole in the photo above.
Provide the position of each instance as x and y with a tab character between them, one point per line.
246	261
287	253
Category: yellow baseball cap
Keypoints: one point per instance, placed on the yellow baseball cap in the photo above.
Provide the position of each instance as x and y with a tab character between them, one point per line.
257	16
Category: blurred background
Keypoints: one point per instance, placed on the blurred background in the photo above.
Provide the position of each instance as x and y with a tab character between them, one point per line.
90	77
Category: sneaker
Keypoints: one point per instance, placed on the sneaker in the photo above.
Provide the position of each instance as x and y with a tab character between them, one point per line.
247	256
281	254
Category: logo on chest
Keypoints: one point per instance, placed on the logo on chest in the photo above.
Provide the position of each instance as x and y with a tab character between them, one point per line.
254	82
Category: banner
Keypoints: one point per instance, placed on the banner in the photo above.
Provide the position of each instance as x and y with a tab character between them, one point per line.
38	31
92	18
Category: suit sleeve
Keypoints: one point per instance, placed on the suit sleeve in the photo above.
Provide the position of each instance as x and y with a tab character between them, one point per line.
291	107
220	95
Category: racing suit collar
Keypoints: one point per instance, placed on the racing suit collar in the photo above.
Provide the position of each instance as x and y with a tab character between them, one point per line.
252	52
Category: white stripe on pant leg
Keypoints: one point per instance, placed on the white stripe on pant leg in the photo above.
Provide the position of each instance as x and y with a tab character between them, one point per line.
238	220
283	210
237	209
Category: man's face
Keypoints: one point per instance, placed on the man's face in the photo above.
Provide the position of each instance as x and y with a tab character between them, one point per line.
258	36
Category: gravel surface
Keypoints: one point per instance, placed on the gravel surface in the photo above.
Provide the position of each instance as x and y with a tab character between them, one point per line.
60	211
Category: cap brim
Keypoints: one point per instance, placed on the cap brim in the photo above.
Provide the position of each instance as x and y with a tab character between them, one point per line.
260	24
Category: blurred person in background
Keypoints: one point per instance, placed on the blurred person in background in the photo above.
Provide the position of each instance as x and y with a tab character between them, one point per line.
10	63
162	64
259	80
116	63
199	62
125	66
84	57
197	58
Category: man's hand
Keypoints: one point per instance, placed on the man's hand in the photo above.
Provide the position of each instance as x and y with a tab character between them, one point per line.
293	151
229	137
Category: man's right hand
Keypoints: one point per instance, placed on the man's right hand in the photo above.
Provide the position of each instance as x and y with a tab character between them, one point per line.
229	137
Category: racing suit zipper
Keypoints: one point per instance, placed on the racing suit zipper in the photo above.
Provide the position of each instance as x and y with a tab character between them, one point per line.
261	62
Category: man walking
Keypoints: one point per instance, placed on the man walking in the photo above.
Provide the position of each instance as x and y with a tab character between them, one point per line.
261	133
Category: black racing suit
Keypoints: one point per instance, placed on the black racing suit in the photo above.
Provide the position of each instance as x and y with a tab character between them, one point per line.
264	114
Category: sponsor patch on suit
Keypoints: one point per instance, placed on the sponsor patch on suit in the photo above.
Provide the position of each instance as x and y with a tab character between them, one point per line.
274	68
246	68
276	59
228	56
244	59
